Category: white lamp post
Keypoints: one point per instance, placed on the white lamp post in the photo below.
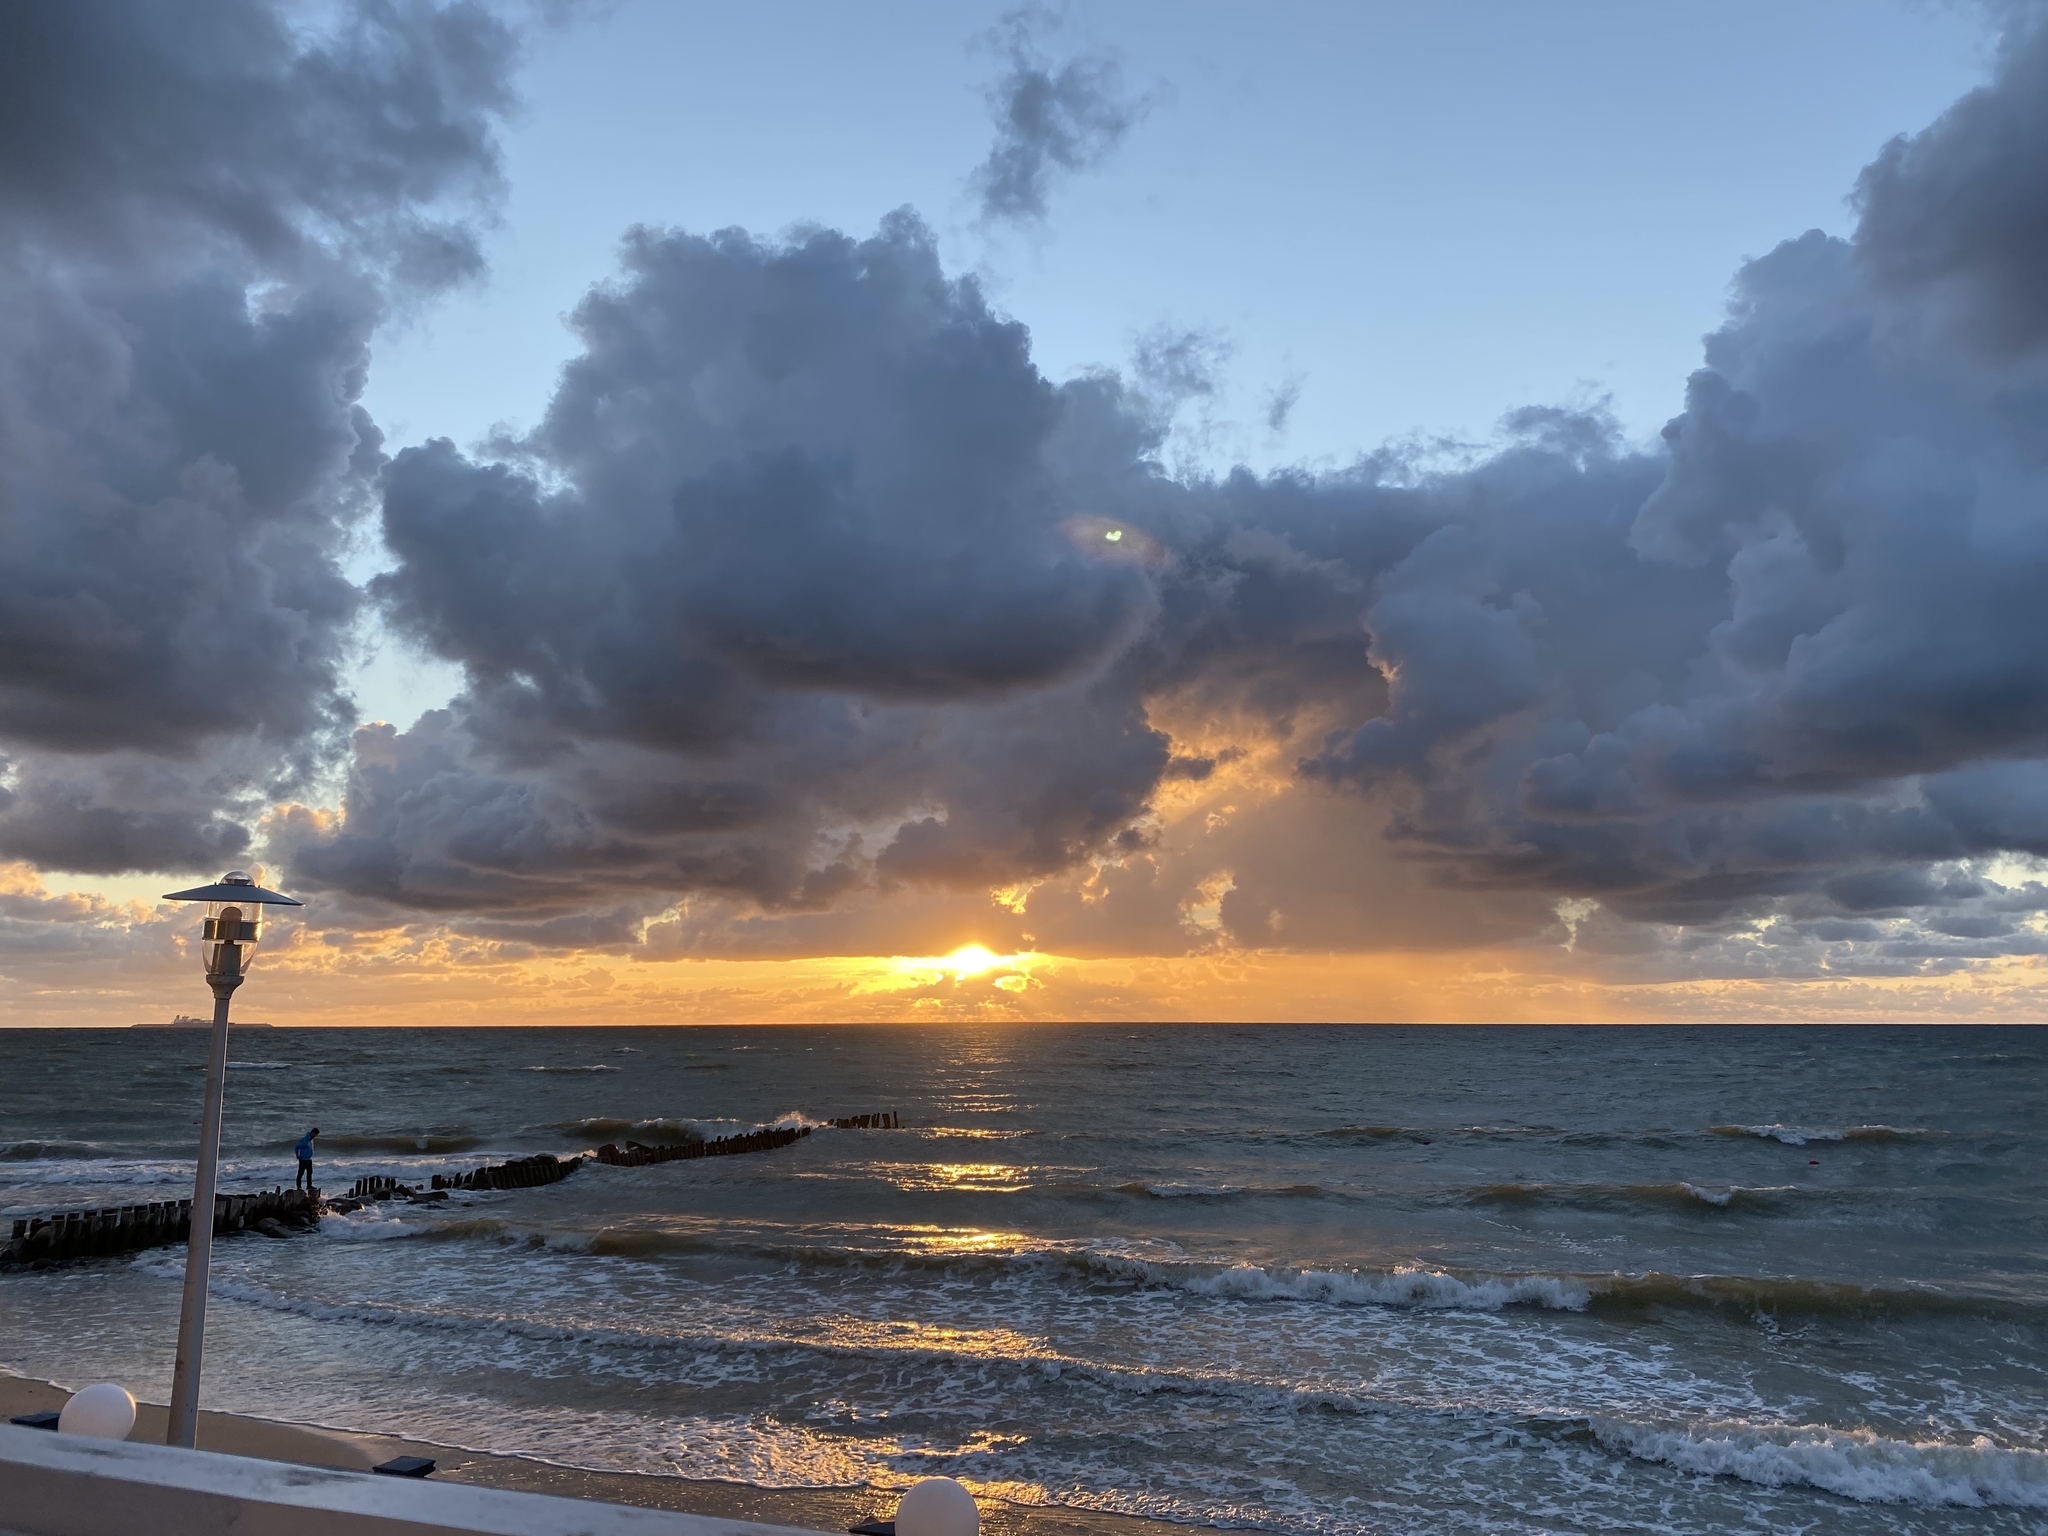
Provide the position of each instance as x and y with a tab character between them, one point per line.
234	922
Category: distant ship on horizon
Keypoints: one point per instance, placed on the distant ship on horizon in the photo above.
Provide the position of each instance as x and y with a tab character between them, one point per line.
193	1021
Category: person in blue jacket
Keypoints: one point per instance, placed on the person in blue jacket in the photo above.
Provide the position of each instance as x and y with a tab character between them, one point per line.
305	1154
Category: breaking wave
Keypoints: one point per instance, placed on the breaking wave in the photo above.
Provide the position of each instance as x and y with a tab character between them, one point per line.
602	1128
1803	1135
1680	1196
1855	1464
1859	1465
46	1151
397	1141
1397	1286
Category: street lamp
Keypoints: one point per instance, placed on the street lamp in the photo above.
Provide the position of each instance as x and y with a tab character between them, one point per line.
234	923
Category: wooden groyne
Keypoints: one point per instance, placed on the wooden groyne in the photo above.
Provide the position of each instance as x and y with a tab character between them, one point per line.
39	1240
635	1155
638	1155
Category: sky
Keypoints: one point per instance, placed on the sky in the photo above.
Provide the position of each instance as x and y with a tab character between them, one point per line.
645	513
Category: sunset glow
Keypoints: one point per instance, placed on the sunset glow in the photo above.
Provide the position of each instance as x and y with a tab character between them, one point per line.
912	588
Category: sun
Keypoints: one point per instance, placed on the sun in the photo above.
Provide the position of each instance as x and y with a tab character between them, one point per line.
971	960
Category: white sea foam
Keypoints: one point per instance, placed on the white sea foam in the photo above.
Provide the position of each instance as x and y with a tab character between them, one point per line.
1165	1190
1711	1196
1794	1135
368	1225
1399	1287
597	1067
1802	1135
1856	1464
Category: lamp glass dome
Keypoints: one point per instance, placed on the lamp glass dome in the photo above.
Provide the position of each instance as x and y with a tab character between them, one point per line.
234	922
228	941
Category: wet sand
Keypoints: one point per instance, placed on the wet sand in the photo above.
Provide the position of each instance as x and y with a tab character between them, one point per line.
822	1509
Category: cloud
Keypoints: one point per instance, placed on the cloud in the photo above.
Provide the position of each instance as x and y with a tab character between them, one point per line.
204	214
781	609
1052	118
813	615
1281	400
1962	208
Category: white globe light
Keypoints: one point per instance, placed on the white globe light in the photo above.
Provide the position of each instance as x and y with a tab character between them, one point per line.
938	1506
102	1410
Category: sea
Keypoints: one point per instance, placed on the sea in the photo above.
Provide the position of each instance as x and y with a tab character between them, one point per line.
1317	1281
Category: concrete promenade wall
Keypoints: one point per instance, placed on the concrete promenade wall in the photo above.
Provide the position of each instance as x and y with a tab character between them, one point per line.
68	1485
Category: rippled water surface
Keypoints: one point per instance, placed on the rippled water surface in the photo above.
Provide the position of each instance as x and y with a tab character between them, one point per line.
1311	1280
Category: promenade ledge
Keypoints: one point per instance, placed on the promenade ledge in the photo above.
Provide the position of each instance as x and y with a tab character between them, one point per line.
69	1485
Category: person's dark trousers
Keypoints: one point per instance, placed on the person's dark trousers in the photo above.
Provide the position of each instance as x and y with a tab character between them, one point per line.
305	1174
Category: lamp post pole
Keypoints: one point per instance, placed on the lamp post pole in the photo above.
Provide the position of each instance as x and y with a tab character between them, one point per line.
184	1427
234	913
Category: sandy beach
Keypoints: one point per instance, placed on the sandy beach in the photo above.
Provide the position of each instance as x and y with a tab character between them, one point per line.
818	1509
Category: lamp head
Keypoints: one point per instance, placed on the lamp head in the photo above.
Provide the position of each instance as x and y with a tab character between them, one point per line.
234	923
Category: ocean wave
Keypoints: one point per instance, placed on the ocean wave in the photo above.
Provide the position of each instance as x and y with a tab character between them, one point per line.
1790	1135
369	1225
259	1066
1681	1195
603	1128
1802	1135
49	1151
596	1067
1401	1286
106	1172
1397	1286
1852	1463
1044	1364
397	1141
1767	1295
1424	1135
1167	1190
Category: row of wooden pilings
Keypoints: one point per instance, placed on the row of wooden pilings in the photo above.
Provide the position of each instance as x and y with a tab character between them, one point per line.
635	1155
41	1240
520	1173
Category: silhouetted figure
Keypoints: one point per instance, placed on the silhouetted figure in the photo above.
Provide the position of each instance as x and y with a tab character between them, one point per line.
305	1152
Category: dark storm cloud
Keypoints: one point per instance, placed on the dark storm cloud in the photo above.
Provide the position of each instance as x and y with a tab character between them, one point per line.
1051	118
1962	208
819	467
1809	660
205	210
800	585
218	124
783	603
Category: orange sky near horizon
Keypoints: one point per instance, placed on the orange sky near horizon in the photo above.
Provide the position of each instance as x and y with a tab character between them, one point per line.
138	964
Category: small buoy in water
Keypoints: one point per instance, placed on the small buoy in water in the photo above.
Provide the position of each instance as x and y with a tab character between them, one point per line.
1813	1162
103	1410
938	1506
